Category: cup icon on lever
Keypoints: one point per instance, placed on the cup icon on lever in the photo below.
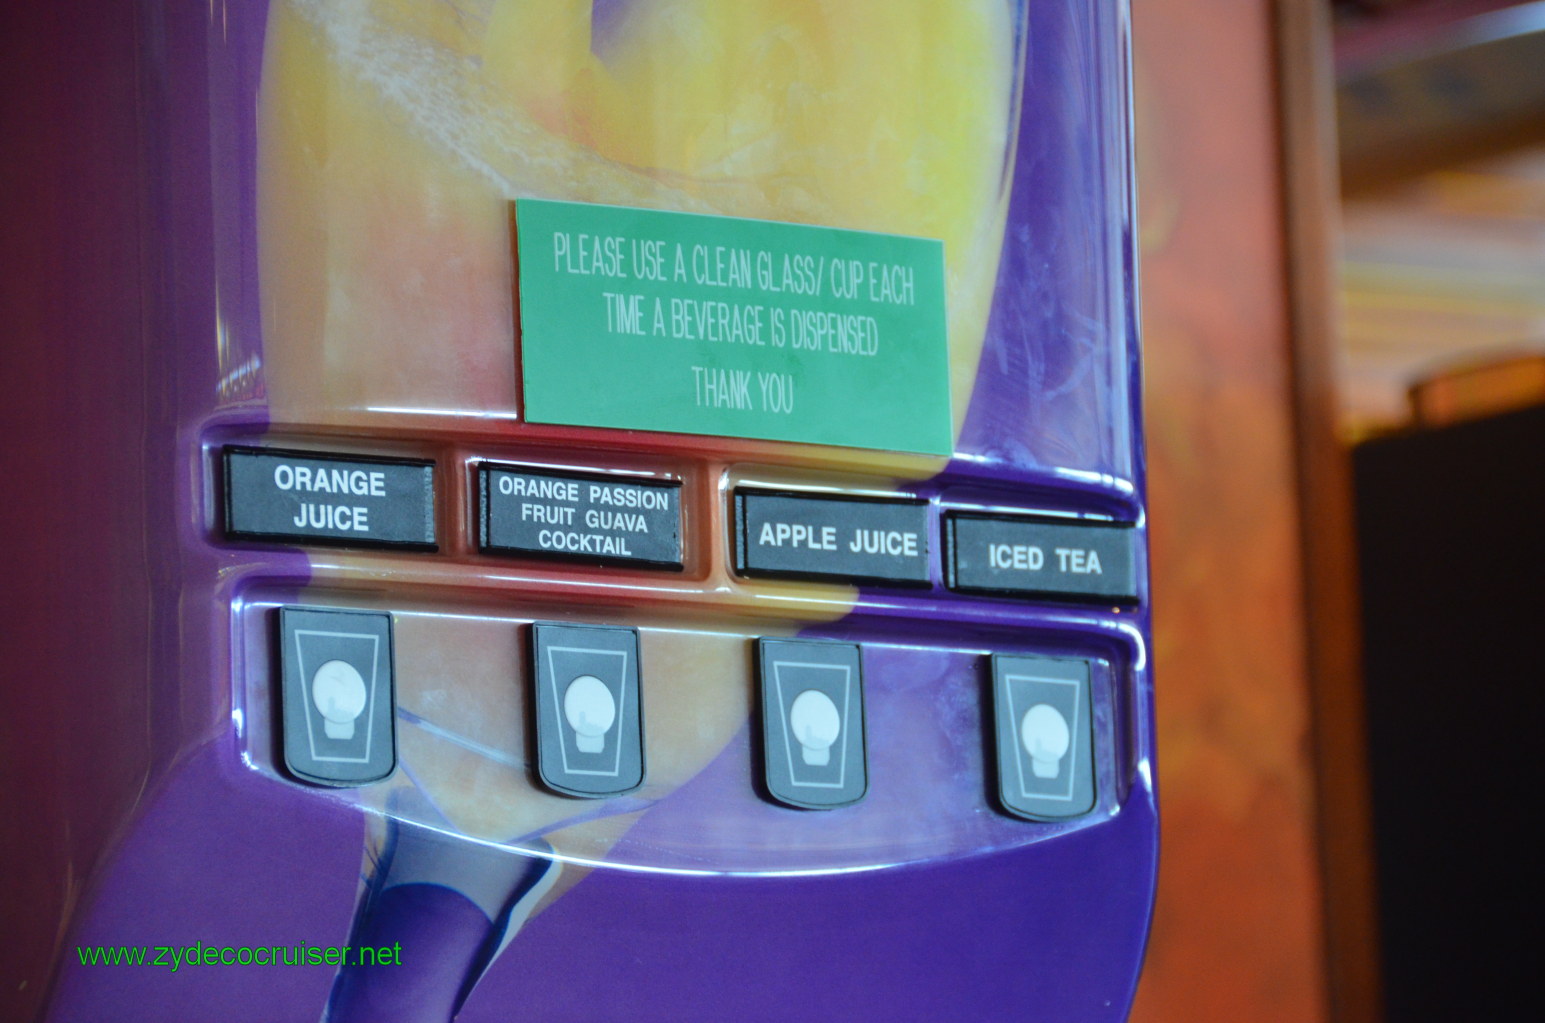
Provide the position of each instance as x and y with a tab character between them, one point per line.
338	692
814	720
591	710
1046	736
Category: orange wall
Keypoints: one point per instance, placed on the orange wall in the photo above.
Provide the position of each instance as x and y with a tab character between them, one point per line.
1237	932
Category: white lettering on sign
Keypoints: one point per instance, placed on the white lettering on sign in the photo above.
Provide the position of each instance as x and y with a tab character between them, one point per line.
884	541
797	534
649	260
624	313
600	518
593	504
539	487
584	543
589	255
332	516
731	389
847	276
777	391
547	514
360	482
694	319
1024	557
891	283
764	308
817	330
721	266
628	497
1078	561
797	274
723	388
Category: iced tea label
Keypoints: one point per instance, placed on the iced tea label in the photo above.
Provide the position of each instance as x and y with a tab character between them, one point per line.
1020	556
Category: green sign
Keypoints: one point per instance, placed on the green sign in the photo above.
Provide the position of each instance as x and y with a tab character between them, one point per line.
645	320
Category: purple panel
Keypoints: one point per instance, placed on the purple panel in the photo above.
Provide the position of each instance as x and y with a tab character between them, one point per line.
1001	936
281	872
969	938
1058	383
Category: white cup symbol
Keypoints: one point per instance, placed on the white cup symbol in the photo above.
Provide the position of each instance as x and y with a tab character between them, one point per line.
591	709
339	694
814	720
1046	736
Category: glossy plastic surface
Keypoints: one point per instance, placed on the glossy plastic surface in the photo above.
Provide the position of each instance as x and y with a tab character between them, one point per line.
341	281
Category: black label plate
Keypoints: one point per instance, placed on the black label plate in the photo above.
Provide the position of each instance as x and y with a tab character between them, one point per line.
318	498
847	539
1032	557
579	517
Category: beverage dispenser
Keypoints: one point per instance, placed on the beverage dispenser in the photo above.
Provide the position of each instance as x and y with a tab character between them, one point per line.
644	519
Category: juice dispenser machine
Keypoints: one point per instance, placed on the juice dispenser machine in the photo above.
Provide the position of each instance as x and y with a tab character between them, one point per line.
643	518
